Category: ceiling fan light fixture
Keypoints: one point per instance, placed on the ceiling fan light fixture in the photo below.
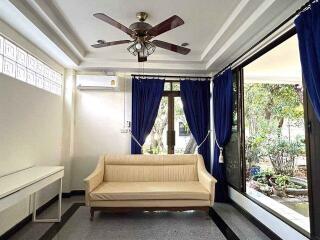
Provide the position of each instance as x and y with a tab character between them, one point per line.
142	49
150	48
138	46
132	49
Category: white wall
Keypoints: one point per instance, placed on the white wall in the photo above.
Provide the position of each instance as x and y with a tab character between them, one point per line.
31	134
68	127
273	223
99	117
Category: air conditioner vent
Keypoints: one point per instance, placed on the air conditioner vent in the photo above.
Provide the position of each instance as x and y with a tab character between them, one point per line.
97	82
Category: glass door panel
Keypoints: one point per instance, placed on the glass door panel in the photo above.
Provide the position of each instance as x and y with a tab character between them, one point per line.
156	142
275	149
184	141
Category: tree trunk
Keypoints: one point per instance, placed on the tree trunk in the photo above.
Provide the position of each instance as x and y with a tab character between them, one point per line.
191	146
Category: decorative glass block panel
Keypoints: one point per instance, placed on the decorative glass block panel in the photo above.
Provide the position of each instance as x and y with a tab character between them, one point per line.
56	77
39	67
9	67
21	72
1	63
1	45
52	75
10	50
47	84
46	71
21	57
31	77
32	63
18	64
39	80
59	79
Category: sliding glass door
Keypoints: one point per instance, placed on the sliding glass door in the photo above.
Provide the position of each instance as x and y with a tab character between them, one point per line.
274	133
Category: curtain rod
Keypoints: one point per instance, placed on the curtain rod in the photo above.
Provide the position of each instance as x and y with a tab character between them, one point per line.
302	8
167	76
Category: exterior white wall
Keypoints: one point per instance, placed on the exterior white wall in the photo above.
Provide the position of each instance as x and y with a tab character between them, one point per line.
99	117
31	134
280	228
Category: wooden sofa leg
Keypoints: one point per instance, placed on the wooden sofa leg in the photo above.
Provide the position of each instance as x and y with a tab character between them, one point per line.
91	214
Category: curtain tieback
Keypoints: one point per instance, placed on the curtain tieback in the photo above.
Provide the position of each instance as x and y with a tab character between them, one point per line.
221	160
134	138
205	138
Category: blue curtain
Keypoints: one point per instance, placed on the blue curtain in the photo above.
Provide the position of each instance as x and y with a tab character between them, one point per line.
195	96
308	30
222	110
146	97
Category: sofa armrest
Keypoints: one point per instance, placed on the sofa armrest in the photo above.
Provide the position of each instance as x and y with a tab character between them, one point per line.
206	179
94	179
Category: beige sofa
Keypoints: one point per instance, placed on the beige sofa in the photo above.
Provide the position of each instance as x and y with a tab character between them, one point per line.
171	182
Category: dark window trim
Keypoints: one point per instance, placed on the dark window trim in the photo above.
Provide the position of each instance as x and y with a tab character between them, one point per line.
171	94
241	128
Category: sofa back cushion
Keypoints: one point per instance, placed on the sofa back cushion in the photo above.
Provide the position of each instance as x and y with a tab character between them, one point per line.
150	168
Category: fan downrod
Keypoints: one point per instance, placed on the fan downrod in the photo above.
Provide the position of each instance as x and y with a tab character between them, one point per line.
142	16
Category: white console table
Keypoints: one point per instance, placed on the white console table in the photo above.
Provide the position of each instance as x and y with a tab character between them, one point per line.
19	185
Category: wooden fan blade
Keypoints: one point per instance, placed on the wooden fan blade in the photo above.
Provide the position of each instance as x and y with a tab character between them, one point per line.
114	23
165	26
171	47
107	44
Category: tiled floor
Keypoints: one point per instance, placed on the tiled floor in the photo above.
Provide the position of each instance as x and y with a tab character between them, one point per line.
238	223
162	223
33	231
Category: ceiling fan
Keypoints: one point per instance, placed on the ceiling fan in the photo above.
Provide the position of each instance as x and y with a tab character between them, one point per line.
141	33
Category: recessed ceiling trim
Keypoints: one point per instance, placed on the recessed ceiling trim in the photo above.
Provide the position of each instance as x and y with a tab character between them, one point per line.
241	30
224	27
34	17
150	66
291	8
53	15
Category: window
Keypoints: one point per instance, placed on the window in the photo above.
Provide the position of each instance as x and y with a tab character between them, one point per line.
170	133
17	63
274	133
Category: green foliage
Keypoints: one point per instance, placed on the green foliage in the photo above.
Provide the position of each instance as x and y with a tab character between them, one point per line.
279	100
282	180
264	176
282	154
267	108
284	147
268	178
254	148
267	105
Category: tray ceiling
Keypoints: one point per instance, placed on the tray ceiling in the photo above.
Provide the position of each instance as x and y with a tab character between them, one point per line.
217	31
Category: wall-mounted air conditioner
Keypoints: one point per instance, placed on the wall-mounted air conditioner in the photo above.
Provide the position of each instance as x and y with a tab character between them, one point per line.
97	82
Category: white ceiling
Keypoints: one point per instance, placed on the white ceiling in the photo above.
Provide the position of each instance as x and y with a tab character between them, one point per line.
217	31
280	65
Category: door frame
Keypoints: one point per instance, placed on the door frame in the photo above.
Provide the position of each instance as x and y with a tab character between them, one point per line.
312	131
171	94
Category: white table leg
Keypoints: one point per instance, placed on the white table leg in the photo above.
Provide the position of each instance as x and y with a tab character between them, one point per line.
34	213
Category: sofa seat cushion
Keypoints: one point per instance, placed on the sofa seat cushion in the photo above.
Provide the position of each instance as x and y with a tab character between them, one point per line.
149	191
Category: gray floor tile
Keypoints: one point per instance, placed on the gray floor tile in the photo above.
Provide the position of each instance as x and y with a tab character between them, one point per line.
238	223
